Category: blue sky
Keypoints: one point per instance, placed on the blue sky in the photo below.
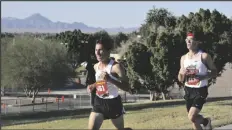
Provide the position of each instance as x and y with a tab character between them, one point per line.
105	14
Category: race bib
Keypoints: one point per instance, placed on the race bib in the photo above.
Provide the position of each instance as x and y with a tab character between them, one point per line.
102	88
192	72
193	81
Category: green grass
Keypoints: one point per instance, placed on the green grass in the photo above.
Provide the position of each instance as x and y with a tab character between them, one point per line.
166	117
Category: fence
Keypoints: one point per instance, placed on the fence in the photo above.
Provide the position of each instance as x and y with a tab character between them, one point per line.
46	104
80	101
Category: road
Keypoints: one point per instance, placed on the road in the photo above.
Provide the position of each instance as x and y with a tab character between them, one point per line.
227	127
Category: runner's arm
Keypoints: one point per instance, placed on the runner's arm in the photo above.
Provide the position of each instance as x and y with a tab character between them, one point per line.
122	81
210	65
181	76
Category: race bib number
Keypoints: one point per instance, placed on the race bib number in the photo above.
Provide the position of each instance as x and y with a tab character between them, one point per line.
193	81
192	71
102	88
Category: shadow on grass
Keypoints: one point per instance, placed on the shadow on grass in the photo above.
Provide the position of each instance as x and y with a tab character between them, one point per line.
225	104
26	118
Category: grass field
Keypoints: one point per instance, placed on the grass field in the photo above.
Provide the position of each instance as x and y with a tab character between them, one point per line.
166	117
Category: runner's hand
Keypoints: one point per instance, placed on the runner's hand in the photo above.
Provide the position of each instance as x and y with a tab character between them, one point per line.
183	72
186	72
90	88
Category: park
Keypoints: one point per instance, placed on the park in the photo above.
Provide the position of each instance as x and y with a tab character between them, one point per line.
44	75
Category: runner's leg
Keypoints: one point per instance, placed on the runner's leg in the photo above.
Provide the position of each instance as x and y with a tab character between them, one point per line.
95	121
118	122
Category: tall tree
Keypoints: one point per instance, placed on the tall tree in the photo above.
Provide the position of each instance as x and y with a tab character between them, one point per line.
139	68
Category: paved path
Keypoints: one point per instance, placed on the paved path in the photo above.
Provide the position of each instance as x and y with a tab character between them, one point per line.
227	127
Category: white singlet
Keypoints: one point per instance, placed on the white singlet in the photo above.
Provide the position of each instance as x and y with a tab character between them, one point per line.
112	89
195	65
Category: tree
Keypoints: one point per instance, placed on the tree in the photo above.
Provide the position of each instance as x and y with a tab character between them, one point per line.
119	39
213	29
5	42
74	41
159	17
160	39
139	67
32	65
163	60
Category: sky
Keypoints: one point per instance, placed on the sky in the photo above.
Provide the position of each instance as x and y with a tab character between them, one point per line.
105	13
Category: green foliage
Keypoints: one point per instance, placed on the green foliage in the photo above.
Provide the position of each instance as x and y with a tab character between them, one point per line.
80	45
32	64
139	67
119	39
157	17
165	38
7	35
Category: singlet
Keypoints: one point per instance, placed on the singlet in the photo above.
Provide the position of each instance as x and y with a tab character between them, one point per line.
112	89
198	67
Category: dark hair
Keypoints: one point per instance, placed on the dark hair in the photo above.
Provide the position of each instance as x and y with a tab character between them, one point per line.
105	43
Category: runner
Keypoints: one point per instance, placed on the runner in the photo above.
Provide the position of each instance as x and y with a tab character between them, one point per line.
109	77
196	68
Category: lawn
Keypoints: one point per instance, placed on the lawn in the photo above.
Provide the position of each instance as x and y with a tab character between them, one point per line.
166	117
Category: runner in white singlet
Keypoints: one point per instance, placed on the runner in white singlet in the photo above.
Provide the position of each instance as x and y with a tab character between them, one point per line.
110	77
196	68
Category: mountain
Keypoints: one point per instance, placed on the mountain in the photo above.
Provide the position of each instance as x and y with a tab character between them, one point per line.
39	23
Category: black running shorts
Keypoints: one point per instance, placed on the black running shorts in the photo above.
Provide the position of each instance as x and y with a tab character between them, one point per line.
195	97
110	108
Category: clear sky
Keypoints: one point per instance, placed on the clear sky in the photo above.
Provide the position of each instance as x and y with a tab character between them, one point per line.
105	14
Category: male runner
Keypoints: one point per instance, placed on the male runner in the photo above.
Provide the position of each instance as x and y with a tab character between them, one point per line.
196	68
109	77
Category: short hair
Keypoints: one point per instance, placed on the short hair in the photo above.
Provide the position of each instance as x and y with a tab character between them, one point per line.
105	43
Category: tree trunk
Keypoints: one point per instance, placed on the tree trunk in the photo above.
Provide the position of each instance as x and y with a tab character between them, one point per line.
26	92
156	96
152	96
29	93
35	92
163	96
2	91
33	97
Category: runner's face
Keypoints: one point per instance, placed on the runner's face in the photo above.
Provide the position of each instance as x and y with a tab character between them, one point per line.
101	53
191	43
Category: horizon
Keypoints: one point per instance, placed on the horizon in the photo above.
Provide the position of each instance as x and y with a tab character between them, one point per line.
118	14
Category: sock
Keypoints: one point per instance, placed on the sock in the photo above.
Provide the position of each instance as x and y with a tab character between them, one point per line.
205	121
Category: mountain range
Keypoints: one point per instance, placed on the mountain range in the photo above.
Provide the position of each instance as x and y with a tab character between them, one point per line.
38	23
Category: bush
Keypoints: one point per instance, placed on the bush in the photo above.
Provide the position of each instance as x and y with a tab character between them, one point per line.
32	64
